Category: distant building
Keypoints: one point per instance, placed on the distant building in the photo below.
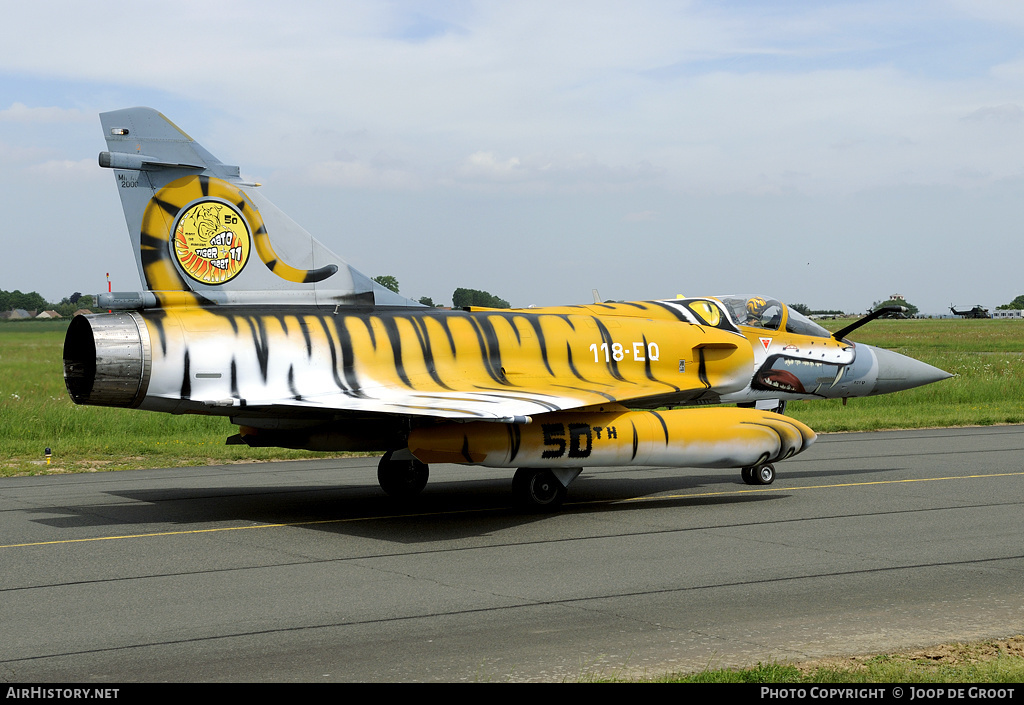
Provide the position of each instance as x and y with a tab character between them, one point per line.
17	314
49	314
1008	313
897	297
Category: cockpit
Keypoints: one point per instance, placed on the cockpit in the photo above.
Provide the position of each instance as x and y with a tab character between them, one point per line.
770	314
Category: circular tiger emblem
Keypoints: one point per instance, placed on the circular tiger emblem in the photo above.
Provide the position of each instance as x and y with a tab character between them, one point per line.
211	241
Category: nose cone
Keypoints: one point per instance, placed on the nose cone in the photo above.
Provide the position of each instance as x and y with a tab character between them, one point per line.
897	372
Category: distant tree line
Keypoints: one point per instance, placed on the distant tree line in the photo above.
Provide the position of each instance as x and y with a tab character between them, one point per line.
460	299
388	282
474	297
807	310
909	313
16	299
1016	305
67	306
33	301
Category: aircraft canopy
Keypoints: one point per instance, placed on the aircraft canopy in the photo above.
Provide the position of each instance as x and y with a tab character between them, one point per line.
770	314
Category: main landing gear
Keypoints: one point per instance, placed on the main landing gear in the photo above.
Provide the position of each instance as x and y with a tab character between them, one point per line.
538	490
542	489
760	474
402	478
535	489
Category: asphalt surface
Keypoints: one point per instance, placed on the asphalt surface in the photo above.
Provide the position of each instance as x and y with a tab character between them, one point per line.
305	571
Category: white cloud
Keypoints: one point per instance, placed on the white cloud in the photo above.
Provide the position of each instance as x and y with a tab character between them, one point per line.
349	174
487	166
1008	113
21	113
15	155
694	88
991	10
582	102
66	169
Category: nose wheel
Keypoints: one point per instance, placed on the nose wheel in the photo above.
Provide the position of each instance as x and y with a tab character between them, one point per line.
761	474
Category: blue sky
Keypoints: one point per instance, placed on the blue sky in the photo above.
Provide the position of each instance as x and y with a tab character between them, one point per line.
829	153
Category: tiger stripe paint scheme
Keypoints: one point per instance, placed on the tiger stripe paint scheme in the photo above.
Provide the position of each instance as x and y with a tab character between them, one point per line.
707	438
451	364
307	352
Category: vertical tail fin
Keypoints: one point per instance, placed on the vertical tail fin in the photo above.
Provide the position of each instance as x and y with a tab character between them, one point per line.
196	226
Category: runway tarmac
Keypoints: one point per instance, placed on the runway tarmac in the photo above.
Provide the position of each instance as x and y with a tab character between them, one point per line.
306	571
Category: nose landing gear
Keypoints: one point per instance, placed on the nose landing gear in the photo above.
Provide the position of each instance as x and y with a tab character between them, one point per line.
760	474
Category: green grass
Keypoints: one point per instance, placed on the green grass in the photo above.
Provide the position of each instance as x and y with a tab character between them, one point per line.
1004	669
987	358
993	661
36	413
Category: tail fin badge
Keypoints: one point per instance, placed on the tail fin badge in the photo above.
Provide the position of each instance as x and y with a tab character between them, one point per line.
212	241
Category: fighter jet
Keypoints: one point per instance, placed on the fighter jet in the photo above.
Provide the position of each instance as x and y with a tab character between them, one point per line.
246	315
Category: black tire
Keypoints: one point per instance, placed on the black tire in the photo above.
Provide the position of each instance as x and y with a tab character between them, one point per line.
538	490
402	478
760	474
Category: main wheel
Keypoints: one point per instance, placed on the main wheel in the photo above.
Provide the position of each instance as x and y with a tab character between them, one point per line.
761	474
538	490
402	478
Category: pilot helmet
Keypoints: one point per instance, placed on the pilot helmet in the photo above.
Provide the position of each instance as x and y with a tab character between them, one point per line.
755	307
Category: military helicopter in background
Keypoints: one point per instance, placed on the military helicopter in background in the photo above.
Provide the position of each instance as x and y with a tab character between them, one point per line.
977	312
